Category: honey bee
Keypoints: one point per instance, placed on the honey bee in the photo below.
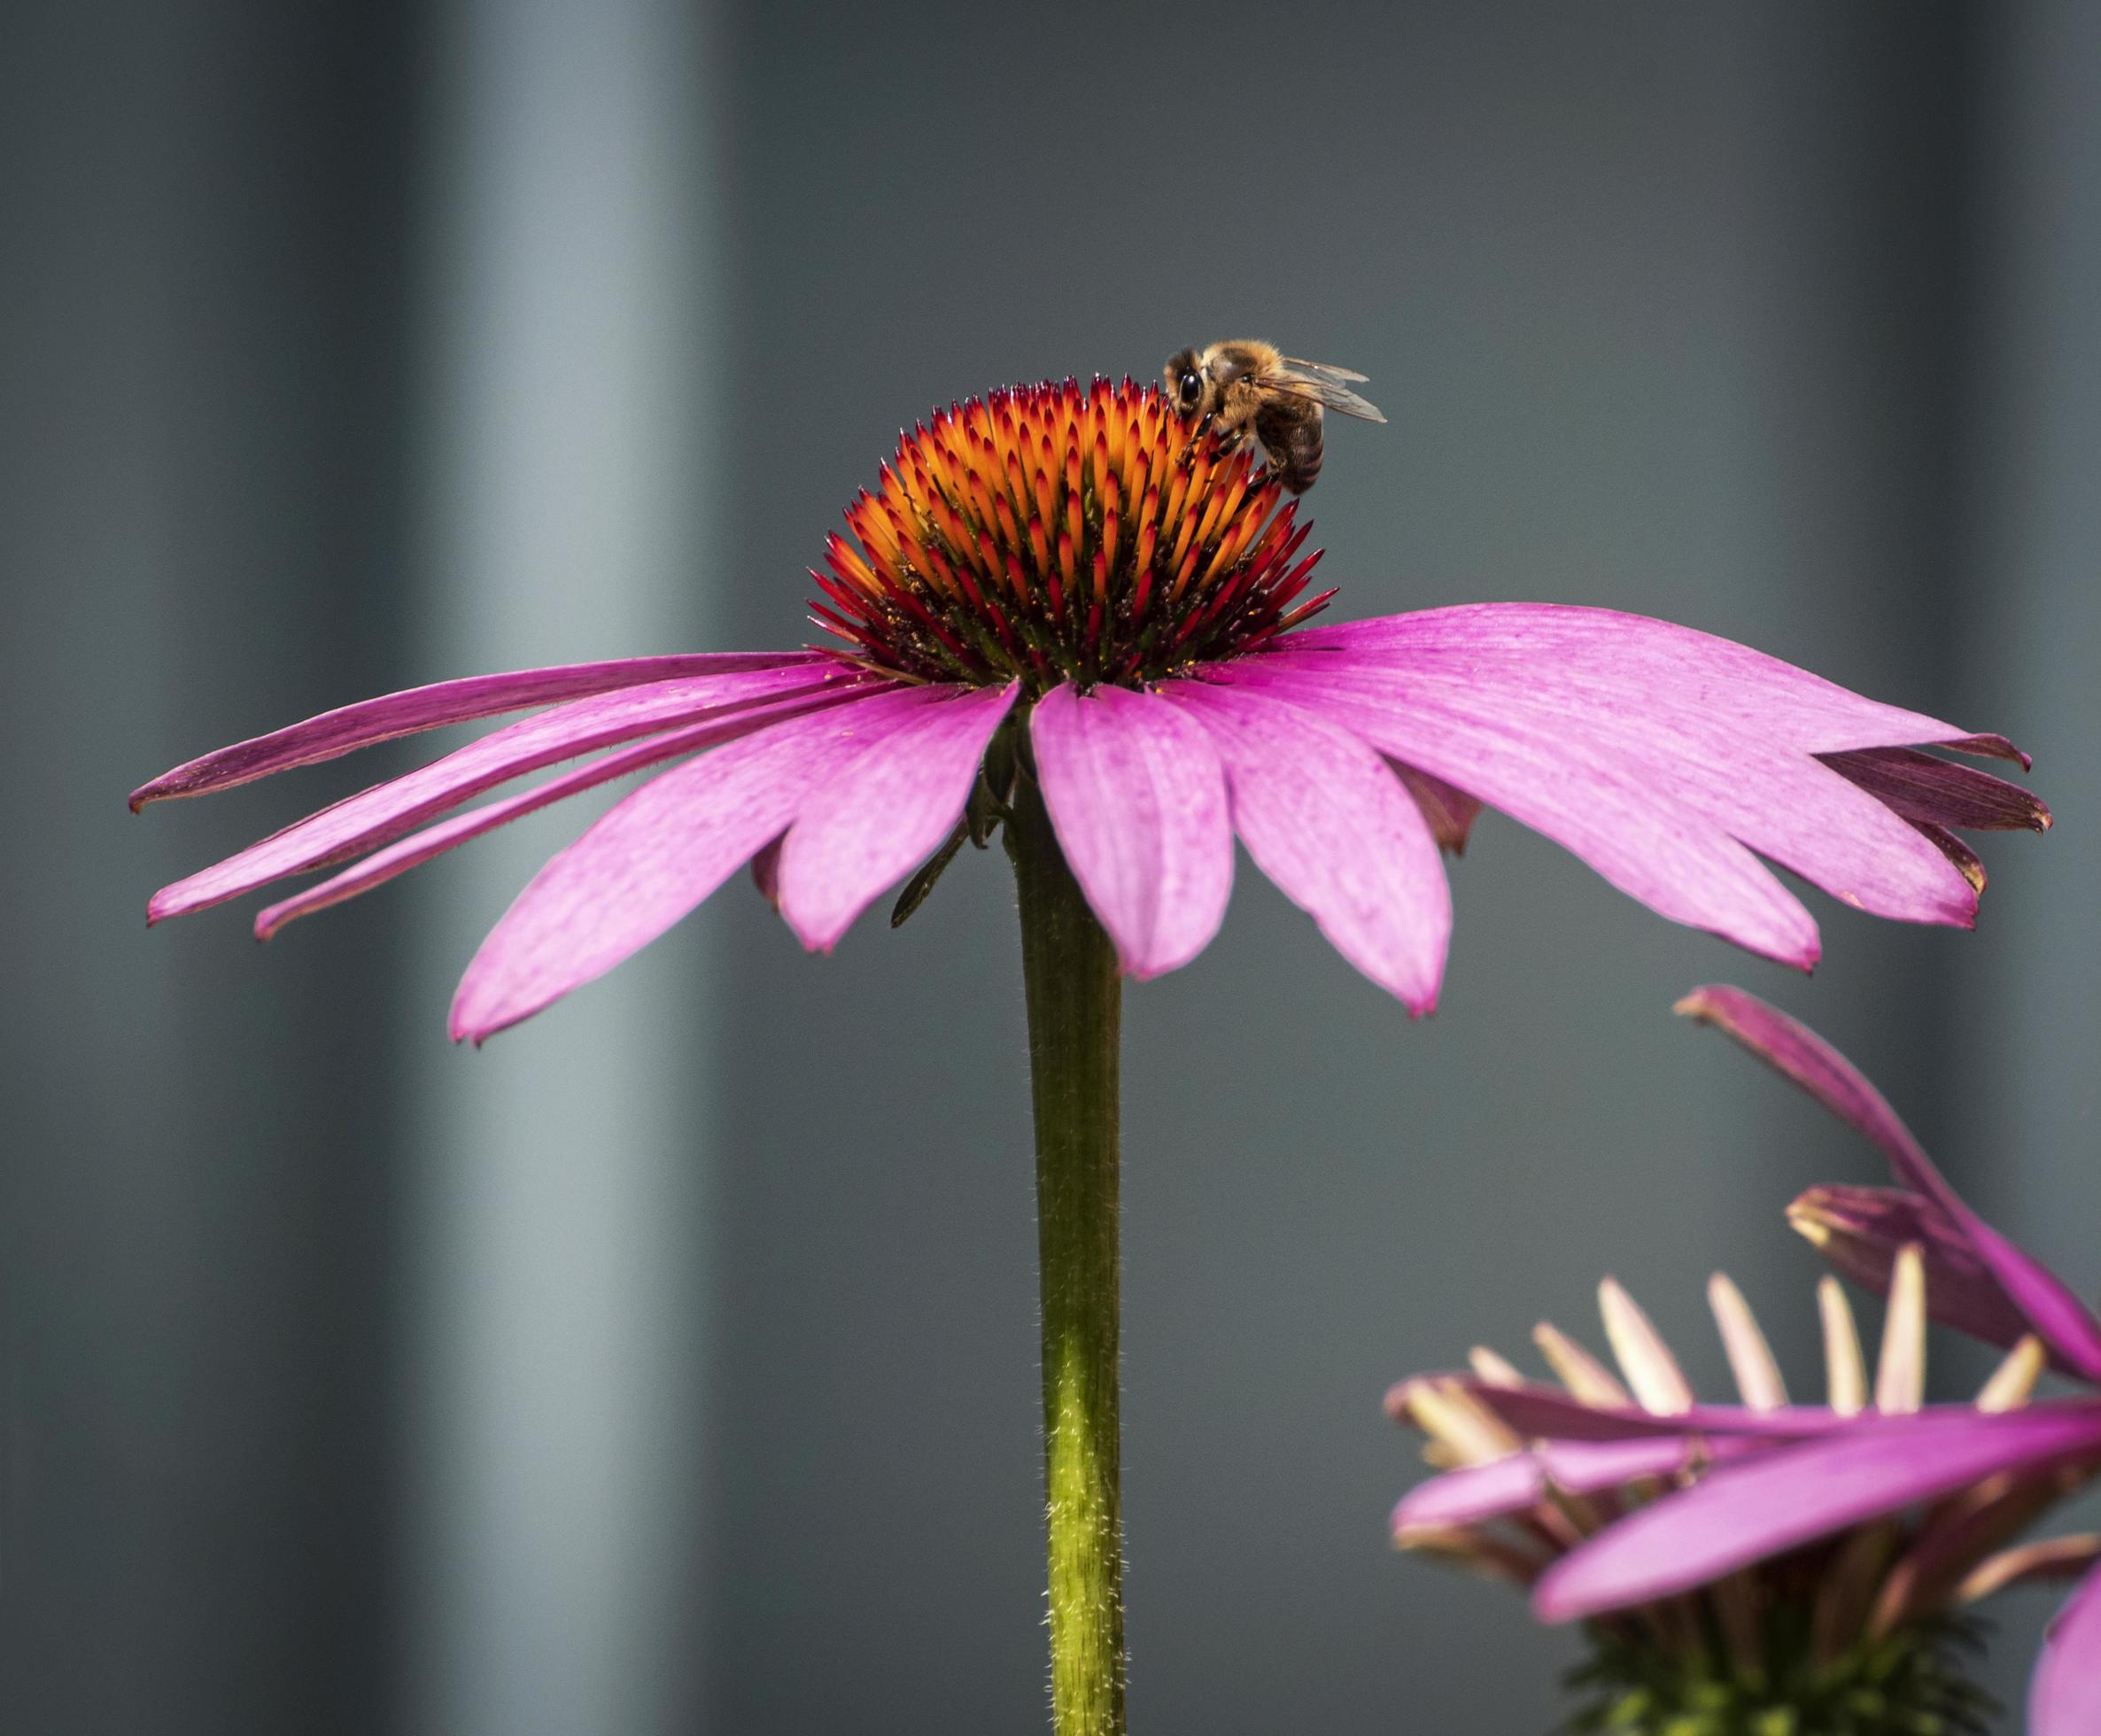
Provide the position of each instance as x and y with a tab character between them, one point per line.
1247	390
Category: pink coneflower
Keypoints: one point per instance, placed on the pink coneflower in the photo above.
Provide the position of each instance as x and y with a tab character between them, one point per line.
1942	1490
1862	1632
1067	613
1085	559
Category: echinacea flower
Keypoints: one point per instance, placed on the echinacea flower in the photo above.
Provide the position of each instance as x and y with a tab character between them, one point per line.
1958	1482
1862	1632
1069	615
1089	559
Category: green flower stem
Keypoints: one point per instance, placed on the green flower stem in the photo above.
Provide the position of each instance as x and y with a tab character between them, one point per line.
1074	1016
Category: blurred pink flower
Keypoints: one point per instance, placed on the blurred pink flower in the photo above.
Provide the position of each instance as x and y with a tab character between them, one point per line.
1776	1480
1103	597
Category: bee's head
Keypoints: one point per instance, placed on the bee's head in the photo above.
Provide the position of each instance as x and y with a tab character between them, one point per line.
1185	381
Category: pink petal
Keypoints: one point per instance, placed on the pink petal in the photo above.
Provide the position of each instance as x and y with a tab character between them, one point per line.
1138	798
1968	862
386	810
2064	1696
1932	792
1688	747
1325	819
1548	1412
1584	1468
1631	660
1597	806
1744	1512
371	720
880	815
435	841
2061	1320
651	858
1477	1493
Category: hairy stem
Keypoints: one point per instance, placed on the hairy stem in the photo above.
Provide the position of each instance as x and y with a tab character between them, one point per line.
1075	1014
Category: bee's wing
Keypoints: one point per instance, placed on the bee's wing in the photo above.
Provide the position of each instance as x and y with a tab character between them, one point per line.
1324	387
1321	370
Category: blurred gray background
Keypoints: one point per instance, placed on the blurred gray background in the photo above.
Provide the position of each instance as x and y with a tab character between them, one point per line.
669	1365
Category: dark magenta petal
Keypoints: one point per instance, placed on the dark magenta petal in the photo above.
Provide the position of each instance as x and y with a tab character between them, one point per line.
417	709
2060	1319
1860	1230
1934	791
1743	1513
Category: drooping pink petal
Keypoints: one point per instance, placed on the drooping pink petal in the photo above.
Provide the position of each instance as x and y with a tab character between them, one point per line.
1595	806
651	858
1138	799
416	708
1860	1230
386	810
1634	662
1680	751
2065	1694
2060	1319
1934	791
1327	820
878	815
434	840
1475	1494
1743	1513
1547	1413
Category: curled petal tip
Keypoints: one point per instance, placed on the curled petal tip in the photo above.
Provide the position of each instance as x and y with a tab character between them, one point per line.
1549	1606
1703	1003
821	941
1808	1216
456	1026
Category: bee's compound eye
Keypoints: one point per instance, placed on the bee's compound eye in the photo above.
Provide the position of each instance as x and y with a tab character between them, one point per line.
1191	388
